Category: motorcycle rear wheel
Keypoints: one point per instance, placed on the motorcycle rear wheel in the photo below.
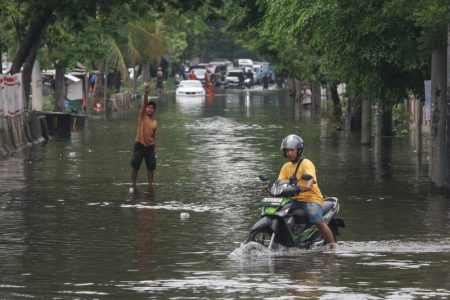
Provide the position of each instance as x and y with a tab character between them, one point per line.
261	236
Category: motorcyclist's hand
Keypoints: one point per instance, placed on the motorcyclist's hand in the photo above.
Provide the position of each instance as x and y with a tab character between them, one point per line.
265	187
308	185
298	189
305	188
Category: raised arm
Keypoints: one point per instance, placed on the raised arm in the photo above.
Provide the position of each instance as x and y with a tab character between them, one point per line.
145	101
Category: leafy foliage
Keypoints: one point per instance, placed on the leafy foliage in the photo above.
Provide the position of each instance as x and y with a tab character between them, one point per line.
383	46
371	44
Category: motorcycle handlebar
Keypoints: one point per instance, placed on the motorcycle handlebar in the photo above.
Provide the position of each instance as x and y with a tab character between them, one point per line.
288	191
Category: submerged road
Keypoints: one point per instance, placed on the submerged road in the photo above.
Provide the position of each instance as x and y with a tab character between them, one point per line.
69	229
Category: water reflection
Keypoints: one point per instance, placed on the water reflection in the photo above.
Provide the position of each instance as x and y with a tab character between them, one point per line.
383	161
145	231
192	105
436	214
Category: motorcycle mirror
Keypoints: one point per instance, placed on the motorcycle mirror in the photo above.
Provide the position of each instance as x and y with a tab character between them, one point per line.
306	177
262	178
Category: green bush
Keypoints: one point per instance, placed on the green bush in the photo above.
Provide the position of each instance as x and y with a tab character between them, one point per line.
49	103
400	122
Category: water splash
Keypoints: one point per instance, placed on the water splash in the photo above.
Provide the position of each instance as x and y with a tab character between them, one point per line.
394	246
348	249
254	249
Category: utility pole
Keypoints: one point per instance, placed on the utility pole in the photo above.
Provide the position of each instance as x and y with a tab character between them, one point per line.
105	92
448	115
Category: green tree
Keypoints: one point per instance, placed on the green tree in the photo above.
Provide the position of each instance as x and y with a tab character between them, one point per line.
381	49
365	44
433	16
32	18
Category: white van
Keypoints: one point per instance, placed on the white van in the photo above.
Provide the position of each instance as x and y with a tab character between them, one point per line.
245	62
232	77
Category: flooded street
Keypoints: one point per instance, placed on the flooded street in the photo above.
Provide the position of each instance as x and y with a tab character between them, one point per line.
70	229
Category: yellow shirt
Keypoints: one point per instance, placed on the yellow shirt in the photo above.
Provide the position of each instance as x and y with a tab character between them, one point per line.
306	167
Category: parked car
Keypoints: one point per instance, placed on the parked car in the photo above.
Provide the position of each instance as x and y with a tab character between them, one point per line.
232	78
220	65
200	73
199	70
190	88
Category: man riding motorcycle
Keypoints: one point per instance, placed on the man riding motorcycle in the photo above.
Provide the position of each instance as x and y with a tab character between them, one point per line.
309	198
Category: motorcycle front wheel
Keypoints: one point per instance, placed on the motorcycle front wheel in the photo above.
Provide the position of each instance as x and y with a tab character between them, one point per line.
261	236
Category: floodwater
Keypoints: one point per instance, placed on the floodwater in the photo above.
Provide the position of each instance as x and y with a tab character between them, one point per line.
70	229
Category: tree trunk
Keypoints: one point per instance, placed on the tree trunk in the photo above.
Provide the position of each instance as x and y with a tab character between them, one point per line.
115	80
417	132
348	114
60	91
355	121
438	120
366	121
26	53
294	89
146	71
378	129
315	97
386	117
105	93
26	76
135	81
353	114
33	36
336	105
448	113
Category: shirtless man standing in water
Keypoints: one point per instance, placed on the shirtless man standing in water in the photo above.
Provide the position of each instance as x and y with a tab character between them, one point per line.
144	146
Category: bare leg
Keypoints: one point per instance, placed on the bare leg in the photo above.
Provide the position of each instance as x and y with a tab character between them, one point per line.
326	232
150	177
134	174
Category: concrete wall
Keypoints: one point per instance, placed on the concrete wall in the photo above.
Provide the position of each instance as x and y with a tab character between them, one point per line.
119	102
19	128
19	131
36	87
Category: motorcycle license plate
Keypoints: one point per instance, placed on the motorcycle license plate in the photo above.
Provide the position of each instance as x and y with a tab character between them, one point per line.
271	201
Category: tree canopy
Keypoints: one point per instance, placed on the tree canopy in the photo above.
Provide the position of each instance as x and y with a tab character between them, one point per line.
383	46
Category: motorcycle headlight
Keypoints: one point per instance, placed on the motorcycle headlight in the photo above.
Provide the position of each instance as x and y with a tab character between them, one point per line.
283	188
278	187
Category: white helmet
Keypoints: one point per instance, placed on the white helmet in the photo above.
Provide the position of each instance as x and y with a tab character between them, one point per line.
292	141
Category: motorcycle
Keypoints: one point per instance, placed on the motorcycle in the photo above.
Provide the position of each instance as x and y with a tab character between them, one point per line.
248	82
281	226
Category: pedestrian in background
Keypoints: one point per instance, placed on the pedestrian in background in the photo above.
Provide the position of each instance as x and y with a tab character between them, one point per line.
160	82
192	75
306	96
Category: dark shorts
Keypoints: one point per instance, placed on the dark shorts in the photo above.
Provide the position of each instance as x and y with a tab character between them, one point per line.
159	84
314	211
142	152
